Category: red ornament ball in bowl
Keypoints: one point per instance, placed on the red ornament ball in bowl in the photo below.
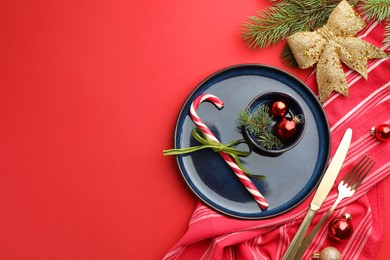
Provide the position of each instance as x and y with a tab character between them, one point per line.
279	108
287	128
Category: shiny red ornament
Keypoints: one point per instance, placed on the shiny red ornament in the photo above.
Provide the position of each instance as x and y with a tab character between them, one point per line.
381	132
341	228
279	108
286	128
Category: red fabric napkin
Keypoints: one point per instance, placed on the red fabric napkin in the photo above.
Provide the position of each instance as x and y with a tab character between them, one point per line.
211	235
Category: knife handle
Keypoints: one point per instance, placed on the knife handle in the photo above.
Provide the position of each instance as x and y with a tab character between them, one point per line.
299	236
306	242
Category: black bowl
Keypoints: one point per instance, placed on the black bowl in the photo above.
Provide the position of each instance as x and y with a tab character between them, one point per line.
294	109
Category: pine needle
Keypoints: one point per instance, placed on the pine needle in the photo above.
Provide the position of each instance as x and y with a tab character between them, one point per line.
285	18
287	57
387	33
256	122
376	9
269	141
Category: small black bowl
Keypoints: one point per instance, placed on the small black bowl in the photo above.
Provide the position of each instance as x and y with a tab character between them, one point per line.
294	109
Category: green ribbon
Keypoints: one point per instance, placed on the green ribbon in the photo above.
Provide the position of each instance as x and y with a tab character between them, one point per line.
216	147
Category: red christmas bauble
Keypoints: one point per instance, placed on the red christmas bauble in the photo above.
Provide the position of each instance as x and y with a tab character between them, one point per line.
341	228
382	132
279	108
285	129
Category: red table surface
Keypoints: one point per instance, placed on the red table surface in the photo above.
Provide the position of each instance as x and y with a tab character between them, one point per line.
89	95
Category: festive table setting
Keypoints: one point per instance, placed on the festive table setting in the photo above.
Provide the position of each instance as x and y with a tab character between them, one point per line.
195	130
285	130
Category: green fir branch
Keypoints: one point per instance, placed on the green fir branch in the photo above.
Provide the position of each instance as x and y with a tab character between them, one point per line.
375	9
269	141
287	57
387	32
285	18
259	124
256	122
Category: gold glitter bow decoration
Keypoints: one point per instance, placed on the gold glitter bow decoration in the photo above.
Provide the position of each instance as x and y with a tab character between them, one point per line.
331	43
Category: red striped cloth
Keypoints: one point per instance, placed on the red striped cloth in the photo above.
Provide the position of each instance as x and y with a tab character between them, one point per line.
211	235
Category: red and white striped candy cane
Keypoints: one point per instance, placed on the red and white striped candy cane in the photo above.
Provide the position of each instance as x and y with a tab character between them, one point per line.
229	160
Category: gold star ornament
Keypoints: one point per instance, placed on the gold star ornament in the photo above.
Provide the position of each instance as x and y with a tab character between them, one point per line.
331	44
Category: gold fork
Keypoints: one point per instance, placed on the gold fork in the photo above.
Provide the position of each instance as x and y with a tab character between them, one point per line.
347	187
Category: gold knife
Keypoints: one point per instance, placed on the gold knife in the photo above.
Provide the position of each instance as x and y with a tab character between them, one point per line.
321	193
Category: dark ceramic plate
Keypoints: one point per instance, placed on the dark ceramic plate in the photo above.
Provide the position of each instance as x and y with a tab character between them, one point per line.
290	177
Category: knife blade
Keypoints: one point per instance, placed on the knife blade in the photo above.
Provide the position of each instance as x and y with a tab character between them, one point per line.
323	190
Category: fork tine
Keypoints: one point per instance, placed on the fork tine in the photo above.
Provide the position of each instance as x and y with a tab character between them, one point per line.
359	170
366	171
357	174
348	178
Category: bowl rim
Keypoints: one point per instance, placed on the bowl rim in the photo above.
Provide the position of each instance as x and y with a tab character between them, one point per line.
291	99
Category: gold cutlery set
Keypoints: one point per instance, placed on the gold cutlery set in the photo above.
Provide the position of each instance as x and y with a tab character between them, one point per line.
346	189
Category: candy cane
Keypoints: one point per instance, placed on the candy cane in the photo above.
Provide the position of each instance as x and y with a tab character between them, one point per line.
229	160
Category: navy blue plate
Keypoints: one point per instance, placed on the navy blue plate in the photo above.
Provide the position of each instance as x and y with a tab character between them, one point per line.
290	177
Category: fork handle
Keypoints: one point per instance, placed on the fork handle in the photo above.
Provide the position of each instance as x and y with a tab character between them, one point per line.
306	242
297	240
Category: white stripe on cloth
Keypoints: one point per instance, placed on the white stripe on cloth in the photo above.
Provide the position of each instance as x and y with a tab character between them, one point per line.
282	234
252	246
359	237
203	212
373	99
259	241
210	250
367	29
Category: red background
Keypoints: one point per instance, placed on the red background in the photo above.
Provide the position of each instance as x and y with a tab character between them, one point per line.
89	95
